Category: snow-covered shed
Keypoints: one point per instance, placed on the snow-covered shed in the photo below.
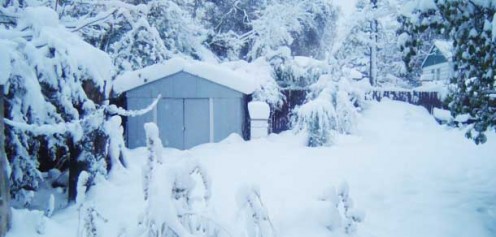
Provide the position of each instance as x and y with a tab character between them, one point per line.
437	66
200	102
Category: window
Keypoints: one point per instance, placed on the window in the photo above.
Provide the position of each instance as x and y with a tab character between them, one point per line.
433	74
438	74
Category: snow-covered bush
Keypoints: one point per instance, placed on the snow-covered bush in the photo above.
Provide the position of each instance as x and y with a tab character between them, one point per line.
254	214
154	148
176	193
334	109
90	221
344	218
89	217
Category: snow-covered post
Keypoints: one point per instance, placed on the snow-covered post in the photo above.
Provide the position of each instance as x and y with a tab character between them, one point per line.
259	115
4	178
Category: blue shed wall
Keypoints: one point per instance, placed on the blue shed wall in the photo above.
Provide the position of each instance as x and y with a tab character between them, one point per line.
183	112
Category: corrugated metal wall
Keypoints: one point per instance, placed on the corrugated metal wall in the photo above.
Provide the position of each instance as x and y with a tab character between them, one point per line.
183	115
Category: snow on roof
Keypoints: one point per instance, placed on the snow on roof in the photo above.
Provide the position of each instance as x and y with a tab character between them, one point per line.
445	47
236	80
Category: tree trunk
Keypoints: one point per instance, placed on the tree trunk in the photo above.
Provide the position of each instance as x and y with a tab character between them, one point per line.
5	215
373	47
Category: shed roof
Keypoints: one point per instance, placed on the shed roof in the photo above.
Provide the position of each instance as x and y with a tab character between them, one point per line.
216	73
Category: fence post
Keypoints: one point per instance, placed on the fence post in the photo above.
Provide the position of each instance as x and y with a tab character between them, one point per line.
259	115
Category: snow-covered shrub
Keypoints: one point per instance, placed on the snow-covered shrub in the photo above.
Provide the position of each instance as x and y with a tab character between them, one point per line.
176	193
254	213
191	193
116	145
89	221
82	186
343	217
154	148
50	206
88	215
333	110
319	119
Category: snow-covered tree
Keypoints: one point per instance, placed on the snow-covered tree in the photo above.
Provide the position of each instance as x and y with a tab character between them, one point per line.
252	29
137	34
371	43
470	26
5	211
330	109
55	93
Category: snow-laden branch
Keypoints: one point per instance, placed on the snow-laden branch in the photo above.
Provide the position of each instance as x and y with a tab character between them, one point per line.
43	129
113	109
96	19
75	125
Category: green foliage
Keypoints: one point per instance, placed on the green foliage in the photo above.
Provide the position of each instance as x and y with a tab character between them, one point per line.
469	26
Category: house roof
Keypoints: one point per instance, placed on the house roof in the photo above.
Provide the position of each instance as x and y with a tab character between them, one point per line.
440	52
216	73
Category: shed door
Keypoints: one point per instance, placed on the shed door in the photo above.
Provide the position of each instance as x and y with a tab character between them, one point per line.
196	122
170	114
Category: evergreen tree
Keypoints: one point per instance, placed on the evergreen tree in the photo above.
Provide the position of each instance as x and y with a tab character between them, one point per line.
55	101
469	25
371	44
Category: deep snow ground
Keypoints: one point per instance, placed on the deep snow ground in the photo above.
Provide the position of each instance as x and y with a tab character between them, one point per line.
411	176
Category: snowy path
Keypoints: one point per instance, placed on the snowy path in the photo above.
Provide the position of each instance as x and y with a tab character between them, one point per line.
411	176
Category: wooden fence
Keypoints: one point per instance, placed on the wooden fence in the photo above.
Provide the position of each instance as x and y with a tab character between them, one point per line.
280	119
427	99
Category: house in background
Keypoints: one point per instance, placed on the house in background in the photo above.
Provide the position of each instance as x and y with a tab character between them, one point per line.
200	102
437	66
